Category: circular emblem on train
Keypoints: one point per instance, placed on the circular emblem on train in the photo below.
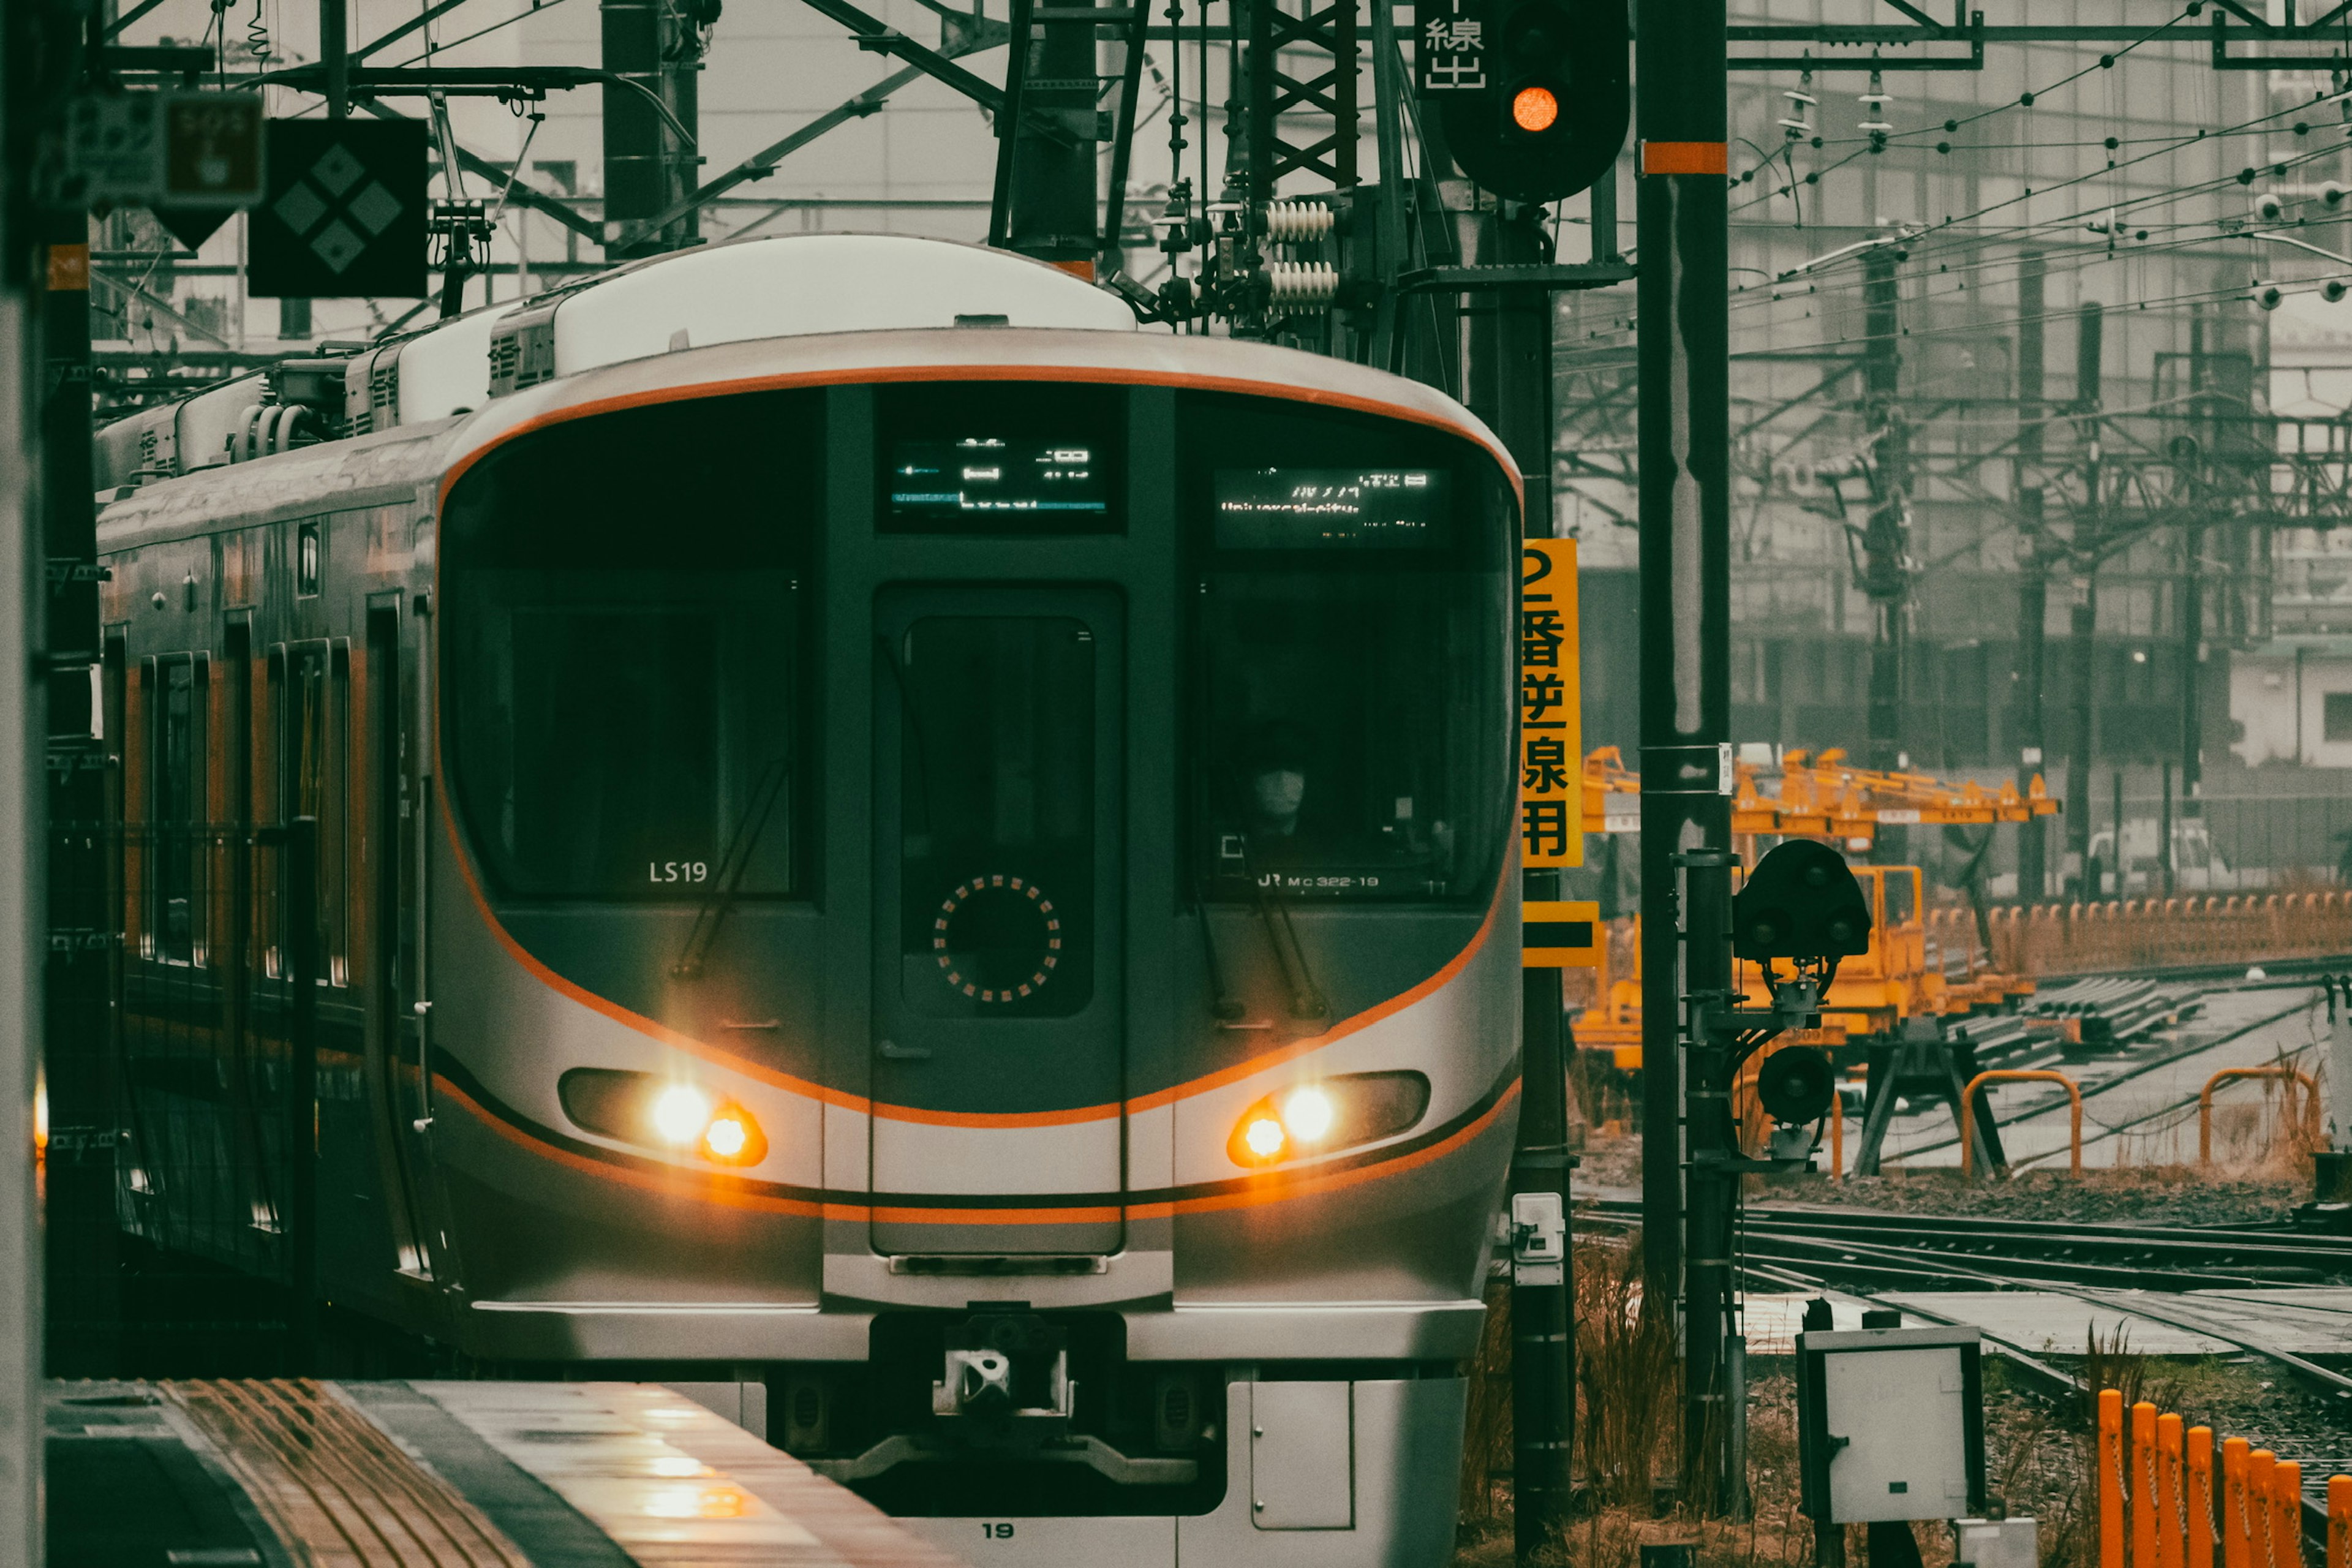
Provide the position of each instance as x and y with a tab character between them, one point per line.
997	938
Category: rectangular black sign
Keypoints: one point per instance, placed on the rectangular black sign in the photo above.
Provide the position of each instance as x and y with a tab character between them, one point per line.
345	213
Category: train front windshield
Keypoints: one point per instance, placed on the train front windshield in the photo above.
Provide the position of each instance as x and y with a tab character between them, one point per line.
1350	737
624	641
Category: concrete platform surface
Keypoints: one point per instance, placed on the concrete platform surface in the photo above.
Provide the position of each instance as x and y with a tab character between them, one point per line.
283	1473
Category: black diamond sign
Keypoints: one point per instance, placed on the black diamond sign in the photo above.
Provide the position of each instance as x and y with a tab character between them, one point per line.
344	215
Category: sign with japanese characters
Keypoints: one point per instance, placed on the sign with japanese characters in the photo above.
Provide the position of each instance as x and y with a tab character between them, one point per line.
1551	740
1449	52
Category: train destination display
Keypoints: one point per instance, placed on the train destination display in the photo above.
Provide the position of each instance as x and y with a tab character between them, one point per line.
1322	509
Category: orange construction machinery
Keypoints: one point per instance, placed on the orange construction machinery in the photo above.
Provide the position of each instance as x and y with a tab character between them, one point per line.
1820	795
1910	970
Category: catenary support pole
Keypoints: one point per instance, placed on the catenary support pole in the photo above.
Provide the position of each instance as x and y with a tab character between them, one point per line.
2032	570
335	53
1509	383
1685	533
2090	339
22	732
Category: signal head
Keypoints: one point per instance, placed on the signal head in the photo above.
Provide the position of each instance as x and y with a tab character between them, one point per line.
1534	109
1801	903
1795	1085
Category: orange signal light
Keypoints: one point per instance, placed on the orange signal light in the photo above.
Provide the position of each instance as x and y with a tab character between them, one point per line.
1534	109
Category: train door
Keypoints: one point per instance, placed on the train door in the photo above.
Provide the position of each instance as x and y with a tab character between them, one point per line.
387	963
998	950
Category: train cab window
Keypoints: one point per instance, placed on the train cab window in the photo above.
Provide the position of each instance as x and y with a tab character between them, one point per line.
177	691
622	651
997	457
1349	668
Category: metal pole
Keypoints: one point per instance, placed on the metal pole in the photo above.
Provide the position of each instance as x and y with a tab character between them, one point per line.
2034	572
23	728
1685	540
2089	340
1886	543
1509	379
2208	428
335	50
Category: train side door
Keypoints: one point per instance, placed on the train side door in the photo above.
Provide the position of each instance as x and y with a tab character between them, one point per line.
998	944
396	1033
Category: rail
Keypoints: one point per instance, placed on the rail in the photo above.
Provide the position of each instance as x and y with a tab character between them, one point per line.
2020	1075
2282	1070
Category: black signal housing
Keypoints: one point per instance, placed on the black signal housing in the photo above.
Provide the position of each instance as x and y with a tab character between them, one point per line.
1569	57
1801	903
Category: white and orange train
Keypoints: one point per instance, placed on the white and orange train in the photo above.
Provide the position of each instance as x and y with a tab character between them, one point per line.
885	836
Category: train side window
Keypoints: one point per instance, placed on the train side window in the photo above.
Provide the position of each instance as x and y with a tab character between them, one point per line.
1350	663
308	547
176	897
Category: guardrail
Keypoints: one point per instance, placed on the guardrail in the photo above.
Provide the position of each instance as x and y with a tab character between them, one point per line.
2055	941
2019	1075
2292	1075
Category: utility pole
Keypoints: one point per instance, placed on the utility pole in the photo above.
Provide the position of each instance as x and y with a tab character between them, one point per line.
1509	384
23	818
2208	417
1887	539
2090	323
1685	541
2033	569
655	45
1045	174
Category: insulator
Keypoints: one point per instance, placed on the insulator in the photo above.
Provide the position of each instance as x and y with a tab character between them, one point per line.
1877	125
1796	128
1793	96
1289	223
1302	285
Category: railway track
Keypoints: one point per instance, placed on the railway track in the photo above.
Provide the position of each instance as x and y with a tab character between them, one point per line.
1869	1249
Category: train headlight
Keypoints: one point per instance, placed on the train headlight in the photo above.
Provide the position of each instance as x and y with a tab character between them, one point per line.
662	1113
1328	1114
679	1113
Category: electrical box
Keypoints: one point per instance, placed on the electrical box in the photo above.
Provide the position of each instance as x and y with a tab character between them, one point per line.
1890	1425
1539	1239
1996	1543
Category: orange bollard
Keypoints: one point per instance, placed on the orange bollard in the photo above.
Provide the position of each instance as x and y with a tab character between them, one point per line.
2109	1480
2339	1521
2171	1520
2286	1514
2259	1465
2196	1490
2143	1485
2237	1541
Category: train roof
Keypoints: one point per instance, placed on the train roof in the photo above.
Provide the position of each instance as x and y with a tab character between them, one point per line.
802	311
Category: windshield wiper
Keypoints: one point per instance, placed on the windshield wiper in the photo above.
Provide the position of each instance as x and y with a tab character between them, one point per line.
728	878
1306	1001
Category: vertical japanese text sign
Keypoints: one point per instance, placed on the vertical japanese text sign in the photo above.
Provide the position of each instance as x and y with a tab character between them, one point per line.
1551	742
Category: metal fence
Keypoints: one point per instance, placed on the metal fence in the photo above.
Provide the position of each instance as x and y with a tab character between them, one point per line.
182	1089
2233	844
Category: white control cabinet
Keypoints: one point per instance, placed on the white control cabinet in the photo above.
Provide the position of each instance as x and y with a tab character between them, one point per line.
1890	1425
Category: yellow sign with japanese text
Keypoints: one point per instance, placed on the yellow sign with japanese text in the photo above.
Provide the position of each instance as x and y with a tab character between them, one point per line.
1551	740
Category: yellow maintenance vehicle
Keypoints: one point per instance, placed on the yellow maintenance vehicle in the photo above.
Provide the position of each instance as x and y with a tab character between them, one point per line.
1904	973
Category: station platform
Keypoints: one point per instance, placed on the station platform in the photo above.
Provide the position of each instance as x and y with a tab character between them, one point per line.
295	1473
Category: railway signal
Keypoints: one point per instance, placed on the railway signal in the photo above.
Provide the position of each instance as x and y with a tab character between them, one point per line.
1533	93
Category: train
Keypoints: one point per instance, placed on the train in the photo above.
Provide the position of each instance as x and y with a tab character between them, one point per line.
881	837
